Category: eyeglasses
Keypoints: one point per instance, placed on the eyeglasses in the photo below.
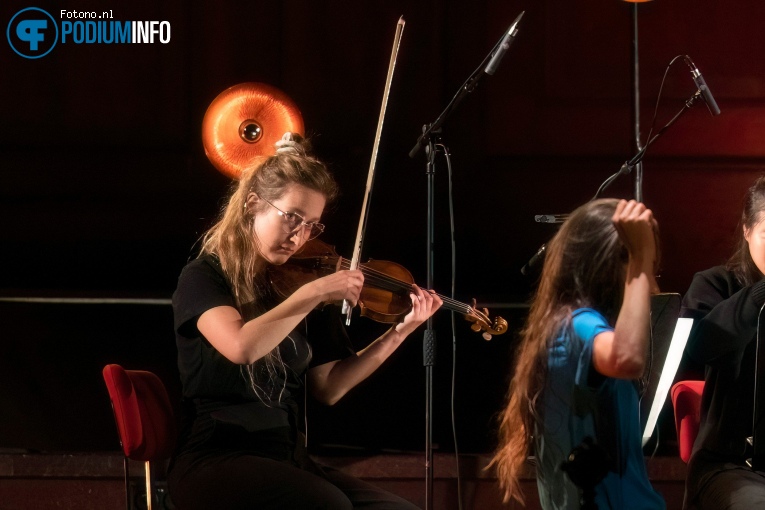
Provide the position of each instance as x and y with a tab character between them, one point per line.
294	222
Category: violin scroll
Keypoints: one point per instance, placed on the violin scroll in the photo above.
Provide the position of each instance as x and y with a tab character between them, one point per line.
482	322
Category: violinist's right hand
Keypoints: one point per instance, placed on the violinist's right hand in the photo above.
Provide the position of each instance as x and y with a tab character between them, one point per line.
245	341
339	286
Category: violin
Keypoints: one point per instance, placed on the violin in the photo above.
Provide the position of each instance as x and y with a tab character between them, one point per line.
385	295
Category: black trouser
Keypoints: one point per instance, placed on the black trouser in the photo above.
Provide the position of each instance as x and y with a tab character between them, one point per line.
242	481
723	486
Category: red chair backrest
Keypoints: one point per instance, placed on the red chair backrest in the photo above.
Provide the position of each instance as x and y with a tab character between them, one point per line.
686	400
143	413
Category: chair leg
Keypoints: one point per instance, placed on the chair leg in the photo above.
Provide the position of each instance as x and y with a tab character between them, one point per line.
149	492
125	470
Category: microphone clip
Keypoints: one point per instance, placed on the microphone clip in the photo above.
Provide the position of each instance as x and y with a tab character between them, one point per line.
626	168
691	101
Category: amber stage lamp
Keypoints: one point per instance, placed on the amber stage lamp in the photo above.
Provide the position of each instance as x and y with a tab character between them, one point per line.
244	122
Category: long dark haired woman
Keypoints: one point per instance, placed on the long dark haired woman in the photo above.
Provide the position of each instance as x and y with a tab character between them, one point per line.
585	340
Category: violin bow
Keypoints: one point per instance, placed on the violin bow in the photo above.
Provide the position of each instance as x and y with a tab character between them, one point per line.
371	174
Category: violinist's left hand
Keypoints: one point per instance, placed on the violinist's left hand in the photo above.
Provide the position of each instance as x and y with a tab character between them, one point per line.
424	304
330	381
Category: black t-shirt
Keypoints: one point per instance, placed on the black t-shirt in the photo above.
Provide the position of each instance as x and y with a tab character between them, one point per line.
723	338
221	405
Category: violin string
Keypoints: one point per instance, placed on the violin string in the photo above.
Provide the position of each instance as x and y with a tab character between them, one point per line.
388	282
381	279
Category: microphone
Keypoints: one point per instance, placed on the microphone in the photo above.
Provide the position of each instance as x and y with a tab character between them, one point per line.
702	86
507	40
534	260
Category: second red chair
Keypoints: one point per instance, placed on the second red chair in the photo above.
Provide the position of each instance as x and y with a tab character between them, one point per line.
145	420
686	401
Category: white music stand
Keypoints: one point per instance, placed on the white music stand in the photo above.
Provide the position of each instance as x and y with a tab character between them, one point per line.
667	351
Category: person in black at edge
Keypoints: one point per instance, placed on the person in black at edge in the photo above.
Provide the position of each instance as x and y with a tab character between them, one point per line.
243	354
725	303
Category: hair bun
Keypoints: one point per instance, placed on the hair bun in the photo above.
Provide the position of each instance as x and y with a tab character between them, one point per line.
290	143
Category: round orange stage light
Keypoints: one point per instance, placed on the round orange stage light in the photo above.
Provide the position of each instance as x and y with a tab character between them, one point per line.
244	122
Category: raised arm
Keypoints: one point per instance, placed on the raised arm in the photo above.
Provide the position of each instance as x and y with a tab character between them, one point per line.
622	353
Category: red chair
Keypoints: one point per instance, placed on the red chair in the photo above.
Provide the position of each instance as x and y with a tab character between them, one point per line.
686	400
145	420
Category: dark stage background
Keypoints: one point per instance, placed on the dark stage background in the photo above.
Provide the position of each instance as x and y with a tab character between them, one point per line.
105	186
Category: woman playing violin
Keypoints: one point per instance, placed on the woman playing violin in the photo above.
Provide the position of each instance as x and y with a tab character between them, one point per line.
244	354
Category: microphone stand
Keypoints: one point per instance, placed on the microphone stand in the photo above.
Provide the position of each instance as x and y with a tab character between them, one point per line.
493	59
625	169
637	158
431	139
428	130
636	102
